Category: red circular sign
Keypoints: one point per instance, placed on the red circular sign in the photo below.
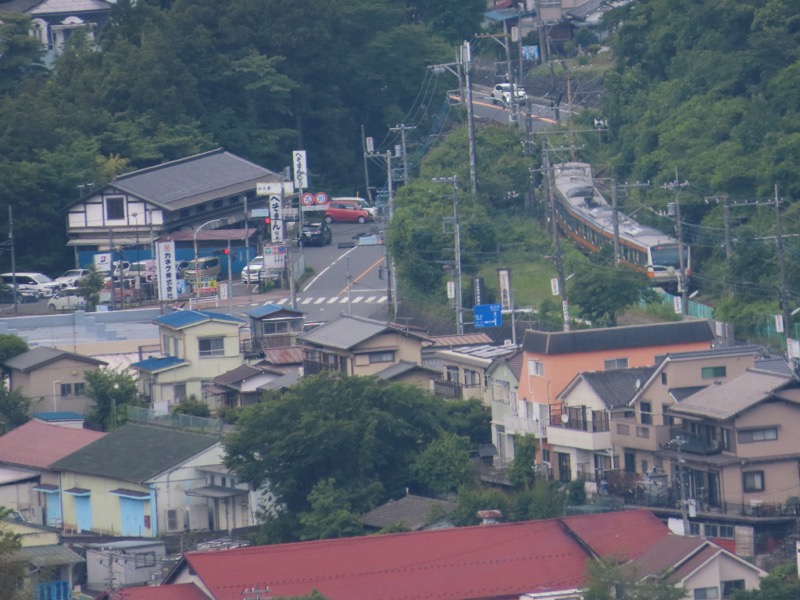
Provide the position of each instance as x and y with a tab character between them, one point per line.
307	199
321	198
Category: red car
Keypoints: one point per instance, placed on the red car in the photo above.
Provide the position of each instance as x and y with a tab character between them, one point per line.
345	210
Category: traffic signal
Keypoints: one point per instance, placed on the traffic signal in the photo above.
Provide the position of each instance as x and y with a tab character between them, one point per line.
267	221
225	251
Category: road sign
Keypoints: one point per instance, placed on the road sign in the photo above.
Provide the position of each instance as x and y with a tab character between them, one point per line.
320	198
259	212
307	199
488	315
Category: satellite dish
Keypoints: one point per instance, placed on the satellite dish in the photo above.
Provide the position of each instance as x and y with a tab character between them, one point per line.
564	418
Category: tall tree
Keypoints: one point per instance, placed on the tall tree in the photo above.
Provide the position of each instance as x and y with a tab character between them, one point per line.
111	392
12	569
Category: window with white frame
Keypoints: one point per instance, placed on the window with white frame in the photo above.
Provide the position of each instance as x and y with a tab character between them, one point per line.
615	363
451	374
501	391
753	481
211	346
757	435
381	357
472	378
708	593
536	368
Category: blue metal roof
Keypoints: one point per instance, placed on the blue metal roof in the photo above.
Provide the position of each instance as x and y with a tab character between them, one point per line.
183	318
63	415
154	364
269	308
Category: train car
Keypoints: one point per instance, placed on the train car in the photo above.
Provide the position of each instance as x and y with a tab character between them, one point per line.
584	215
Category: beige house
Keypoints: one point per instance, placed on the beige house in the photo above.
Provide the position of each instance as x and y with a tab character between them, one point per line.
53	379
463	370
643	426
196	347
359	346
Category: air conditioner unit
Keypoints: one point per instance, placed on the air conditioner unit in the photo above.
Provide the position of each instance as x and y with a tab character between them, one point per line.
174	519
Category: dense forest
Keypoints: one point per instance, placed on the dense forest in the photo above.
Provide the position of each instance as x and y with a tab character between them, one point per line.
165	79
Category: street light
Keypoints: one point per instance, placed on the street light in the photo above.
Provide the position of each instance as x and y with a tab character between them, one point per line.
196	284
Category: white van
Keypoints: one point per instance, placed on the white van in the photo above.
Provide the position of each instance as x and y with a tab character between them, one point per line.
38	283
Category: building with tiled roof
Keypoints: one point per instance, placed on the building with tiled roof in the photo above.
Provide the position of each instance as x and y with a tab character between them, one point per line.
29	450
501	561
145	480
411	512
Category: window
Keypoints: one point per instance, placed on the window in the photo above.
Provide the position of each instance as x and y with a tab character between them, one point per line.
536	368
615	363
706	593
645	466
623	429
694	528
643	432
145	559
79	389
726	532
545	455
472	378
663	379
451	374
713	372
381	357
645	412
115	208
66	389
668	420
730	586
711	530
753	481
757	435
211	347
179	391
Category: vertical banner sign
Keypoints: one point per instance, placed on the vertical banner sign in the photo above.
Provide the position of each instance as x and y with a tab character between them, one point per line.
299	166
276	218
779	323
477	291
504	276
167	273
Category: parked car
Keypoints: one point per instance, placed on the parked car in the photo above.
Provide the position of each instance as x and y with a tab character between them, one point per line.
254	271
144	269
207	267
502	93
345	210
66	299
71	278
7	294
362	203
38	283
120	270
315	234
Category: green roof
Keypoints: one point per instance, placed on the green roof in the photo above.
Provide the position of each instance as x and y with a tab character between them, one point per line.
136	453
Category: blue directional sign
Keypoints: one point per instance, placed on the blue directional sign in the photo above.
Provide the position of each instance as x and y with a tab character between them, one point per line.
488	315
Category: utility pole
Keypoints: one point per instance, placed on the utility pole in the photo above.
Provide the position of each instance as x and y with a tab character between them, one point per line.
13	259
562	288
615	214
683	284
473	164
366	170
457	250
786	314
402	128
679	443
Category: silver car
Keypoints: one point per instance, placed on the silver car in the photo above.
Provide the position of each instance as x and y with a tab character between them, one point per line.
66	299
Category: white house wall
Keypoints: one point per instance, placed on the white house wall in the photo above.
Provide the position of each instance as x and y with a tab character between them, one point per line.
91	213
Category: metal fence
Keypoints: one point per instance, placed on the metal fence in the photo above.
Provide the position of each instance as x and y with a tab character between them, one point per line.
176	421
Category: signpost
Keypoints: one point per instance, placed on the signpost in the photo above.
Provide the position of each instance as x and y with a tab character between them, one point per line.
488	315
276	218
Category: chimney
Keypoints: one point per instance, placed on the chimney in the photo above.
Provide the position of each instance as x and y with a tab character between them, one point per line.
489	517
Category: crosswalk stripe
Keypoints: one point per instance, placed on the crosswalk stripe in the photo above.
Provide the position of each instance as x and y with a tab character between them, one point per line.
382	299
333	299
343	300
282	301
357	299
320	300
370	300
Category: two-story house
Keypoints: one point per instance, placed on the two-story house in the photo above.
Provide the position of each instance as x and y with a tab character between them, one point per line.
53	379
196	347
145	480
642	428
579	428
463	370
29	485
355	345
553	359
138	207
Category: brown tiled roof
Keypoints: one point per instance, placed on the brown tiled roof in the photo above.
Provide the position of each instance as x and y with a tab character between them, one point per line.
37	444
286	355
465	339
667	553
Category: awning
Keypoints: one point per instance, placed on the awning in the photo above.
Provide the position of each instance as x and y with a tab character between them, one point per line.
51	555
47	488
133	494
76	491
215	491
105	241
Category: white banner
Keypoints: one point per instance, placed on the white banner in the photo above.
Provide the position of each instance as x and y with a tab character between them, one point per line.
276	218
504	276
299	167
166	272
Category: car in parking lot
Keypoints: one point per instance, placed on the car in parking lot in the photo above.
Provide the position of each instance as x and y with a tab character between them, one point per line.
315	234
37	283
346	210
145	270
7	294
502	93
66	299
206	267
362	203
71	278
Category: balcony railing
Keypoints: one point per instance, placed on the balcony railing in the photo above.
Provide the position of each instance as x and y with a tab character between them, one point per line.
447	389
693	443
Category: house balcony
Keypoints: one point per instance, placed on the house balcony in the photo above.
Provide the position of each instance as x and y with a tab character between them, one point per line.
593	441
693	443
637	436
447	389
523	426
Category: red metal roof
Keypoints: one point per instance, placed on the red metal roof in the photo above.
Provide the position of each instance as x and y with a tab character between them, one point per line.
625	534
37	444
495	561
180	591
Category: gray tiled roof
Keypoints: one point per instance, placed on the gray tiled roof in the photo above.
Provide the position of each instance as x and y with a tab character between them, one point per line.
726	400
401	368
348	331
135	452
72	7
50	555
413	512
614	338
194	179
43	355
616	387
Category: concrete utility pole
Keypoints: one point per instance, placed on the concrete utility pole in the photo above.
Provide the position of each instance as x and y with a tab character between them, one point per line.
457	250
683	284
784	299
679	443
402	129
562	288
